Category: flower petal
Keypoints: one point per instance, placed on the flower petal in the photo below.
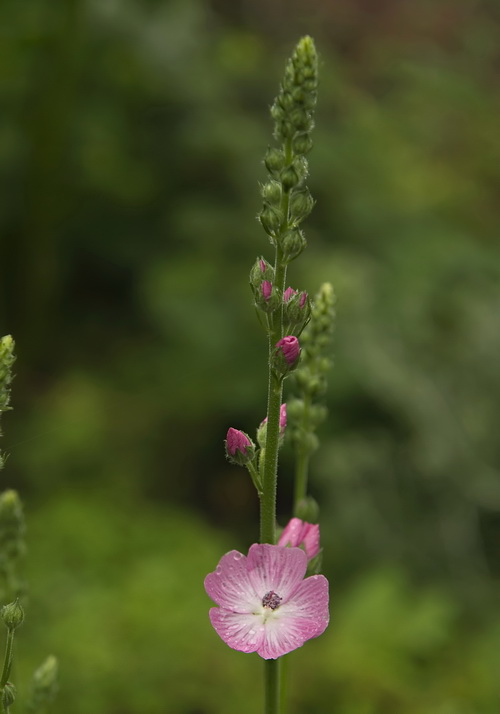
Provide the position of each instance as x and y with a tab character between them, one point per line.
242	632
276	568
308	607
230	586
292	533
303	617
311	540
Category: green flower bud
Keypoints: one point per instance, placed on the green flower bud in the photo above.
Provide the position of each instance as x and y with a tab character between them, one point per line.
274	161
289	178
13	615
12	526
307	510
302	144
315	564
261	270
301	120
271	219
44	685
293	243
301	204
8	695
271	192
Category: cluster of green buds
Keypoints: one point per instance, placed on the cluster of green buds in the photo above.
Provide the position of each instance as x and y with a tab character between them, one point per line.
310	378
7	359
286	198
287	201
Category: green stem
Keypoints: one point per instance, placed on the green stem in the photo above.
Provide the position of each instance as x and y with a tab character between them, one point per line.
7	663
302	461
272	681
272	668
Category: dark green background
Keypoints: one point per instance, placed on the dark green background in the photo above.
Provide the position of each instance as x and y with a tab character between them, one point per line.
131	139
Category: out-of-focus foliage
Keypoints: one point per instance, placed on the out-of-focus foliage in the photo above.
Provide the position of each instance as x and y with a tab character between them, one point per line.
130	144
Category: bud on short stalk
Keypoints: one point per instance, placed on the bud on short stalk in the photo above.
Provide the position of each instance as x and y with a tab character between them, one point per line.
287	354
240	449
13	615
292	244
8	696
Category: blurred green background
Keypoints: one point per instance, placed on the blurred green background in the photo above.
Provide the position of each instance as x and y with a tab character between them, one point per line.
131	140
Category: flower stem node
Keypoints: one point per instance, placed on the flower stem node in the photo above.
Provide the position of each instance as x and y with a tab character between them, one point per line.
13	615
8	696
287	354
240	449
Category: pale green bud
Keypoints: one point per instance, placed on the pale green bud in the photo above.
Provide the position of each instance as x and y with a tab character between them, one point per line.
271	192
13	615
307	510
302	144
271	219
301	204
293	243
274	161
8	696
12	527
44	685
261	270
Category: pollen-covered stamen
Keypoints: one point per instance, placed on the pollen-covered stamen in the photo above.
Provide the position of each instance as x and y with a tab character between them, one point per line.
271	600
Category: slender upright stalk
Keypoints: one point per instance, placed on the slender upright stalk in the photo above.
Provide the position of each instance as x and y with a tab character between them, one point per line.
7	663
302	461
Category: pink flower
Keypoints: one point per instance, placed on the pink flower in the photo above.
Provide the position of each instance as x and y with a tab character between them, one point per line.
265	604
237	441
290	348
289	292
266	288
301	533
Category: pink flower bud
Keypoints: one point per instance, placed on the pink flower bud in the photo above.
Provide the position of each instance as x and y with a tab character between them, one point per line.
237	441
290	348
301	534
282	419
289	292
261	434
303	299
266	288
262	265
